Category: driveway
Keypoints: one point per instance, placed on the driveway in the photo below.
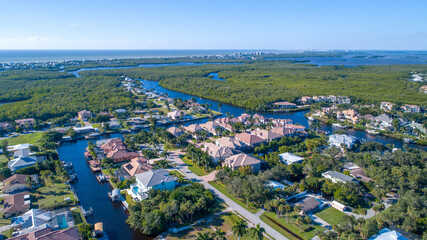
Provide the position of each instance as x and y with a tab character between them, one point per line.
252	218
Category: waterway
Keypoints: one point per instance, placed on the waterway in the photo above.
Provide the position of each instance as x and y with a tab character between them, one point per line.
93	194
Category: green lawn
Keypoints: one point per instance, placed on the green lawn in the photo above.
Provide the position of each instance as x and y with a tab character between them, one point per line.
3	159
330	215
222	189
194	168
293	232
7	233
4	221
77	216
128	198
31	138
46	197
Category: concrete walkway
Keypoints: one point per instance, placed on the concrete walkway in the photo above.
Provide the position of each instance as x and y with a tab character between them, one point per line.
252	218
320	221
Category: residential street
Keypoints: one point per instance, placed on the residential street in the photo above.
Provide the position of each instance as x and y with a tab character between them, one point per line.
180	165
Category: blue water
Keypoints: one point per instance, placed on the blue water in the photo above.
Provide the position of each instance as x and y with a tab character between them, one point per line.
76	73
62	222
215	76
352	60
93	194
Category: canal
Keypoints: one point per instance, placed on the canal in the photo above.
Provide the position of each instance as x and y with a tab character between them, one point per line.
93	194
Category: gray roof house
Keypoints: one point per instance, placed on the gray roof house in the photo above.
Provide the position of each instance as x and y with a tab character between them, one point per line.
384	121
157	179
21	162
338	139
337	177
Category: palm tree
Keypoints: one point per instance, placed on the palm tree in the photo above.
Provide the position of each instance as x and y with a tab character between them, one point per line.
29	182
204	236
219	234
219	107
256	233
297	208
288	209
299	222
239	228
165	154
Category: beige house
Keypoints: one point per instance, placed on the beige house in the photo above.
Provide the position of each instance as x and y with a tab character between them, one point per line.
243	160
18	182
218	153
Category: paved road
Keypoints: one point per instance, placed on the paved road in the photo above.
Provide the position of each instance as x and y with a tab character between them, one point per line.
174	157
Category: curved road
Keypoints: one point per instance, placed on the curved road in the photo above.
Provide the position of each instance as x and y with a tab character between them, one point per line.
180	165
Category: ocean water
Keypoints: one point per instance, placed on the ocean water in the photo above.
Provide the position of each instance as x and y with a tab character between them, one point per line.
62	55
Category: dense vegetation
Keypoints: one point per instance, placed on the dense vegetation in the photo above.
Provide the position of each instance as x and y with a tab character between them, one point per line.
166	208
48	94
256	83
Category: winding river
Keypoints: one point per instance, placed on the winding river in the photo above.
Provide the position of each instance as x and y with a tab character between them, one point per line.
93	194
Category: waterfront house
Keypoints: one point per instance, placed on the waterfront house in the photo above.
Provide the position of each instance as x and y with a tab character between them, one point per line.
33	220
48	234
332	98
230	143
175	115
290	158
84	115
18	182
337	177
193	128
284	105
84	130
282	131
393	233
243	160
351	115
266	135
384	121
135	166
158	179
175	131
21	162
338	140
249	139
281	122
116	149
16	204
226	126
297	128
244	117
217	153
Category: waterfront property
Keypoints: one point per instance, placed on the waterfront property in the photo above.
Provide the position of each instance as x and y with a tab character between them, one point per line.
18	182
153	179
16	204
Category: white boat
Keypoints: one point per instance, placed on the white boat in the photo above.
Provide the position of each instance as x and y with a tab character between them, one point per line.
338	125
373	132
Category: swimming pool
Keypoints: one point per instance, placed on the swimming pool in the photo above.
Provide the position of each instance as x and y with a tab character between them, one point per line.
62	222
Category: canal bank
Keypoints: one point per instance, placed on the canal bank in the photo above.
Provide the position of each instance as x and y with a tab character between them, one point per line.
93	194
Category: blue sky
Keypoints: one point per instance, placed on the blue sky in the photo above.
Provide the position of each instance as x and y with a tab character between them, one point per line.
200	24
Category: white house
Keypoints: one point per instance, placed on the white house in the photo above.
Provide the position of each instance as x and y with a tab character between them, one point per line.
289	158
336	177
157	179
21	162
176	114
338	139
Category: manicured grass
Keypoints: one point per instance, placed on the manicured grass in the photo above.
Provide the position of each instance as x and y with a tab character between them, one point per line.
222	189
293	232
77	216
127	198
48	197
194	168
31	138
4	221
3	159
7	233
330	215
